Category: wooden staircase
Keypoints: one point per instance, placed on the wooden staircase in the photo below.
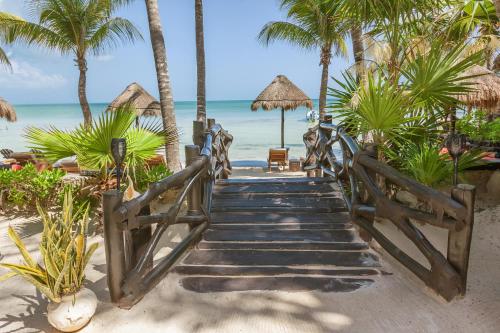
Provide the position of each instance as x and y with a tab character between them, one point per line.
291	234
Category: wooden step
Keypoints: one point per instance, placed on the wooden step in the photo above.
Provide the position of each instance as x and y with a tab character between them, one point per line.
281	258
282	226
272	188
281	235
279	217
292	284
283	181
269	271
325	246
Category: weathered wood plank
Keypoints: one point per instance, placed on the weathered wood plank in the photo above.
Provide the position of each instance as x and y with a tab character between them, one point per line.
280	217
325	246
284	181
293	283
252	201
269	271
281	235
272	188
276	227
282	258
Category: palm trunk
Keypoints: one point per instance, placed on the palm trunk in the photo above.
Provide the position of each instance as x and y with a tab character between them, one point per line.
201	110
497	6
326	55
282	128
82	92
358	51
164	86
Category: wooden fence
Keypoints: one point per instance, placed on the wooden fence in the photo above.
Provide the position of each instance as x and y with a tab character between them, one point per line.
369	185
129	238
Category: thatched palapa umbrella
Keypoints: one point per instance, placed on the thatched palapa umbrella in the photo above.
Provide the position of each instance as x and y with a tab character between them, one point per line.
485	87
137	97
282	94
7	111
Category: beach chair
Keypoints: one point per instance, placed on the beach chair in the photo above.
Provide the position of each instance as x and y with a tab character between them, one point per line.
6	153
278	156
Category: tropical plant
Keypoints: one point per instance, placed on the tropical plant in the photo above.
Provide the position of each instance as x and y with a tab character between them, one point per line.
76	27
28	187
201	109
427	165
477	127
92	146
311	25
148	175
64	253
163	78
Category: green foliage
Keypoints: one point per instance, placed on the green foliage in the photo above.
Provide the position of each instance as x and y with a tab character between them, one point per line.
64	252
476	126
71	27
93	146
425	164
146	176
26	187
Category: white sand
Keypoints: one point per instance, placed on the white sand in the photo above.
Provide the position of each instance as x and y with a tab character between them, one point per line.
394	303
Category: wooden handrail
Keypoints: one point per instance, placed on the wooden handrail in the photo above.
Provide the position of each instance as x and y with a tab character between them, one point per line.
359	175
129	240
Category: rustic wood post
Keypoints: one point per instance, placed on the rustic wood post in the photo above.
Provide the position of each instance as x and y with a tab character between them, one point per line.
114	245
459	241
194	198
139	241
198	134
210	123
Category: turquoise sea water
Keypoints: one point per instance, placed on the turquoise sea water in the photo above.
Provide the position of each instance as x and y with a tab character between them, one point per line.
254	132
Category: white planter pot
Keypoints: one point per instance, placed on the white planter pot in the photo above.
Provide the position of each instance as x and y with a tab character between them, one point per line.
74	311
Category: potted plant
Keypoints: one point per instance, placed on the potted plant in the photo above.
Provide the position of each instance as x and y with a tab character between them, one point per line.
61	274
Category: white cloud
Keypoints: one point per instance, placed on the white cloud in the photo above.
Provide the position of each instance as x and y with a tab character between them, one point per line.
25	75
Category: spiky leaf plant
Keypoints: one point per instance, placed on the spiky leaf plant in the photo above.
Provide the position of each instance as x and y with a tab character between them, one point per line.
63	249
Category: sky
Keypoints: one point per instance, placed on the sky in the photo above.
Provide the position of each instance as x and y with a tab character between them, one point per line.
238	66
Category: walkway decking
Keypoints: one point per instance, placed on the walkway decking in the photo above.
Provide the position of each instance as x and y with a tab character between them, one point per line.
279	234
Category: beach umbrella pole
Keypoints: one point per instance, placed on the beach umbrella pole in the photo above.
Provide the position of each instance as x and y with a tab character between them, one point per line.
282	128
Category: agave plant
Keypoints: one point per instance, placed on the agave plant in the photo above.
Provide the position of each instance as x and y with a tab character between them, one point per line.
92	146
63	250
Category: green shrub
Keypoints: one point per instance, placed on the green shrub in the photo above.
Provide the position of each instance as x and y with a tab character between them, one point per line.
147	175
27	187
475	126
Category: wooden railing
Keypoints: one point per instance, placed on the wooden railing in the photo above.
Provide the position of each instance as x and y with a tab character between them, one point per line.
129	240
369	185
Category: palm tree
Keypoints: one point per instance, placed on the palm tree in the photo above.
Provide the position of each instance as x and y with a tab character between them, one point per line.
311	25
201	110
77	28
164	86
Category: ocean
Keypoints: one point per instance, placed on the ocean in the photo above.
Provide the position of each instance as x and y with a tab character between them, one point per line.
254	132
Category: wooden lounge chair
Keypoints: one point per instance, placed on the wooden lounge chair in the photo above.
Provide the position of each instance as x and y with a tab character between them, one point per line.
278	156
6	153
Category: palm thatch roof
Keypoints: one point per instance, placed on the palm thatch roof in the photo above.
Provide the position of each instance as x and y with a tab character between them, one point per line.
7	111
485	87
137	97
281	94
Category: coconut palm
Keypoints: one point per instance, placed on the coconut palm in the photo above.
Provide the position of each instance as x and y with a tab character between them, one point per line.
163	77
76	27
201	110
311	25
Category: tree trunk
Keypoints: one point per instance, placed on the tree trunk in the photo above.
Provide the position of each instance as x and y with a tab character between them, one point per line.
358	51
201	110
326	56
164	86
497	6
282	128
82	92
